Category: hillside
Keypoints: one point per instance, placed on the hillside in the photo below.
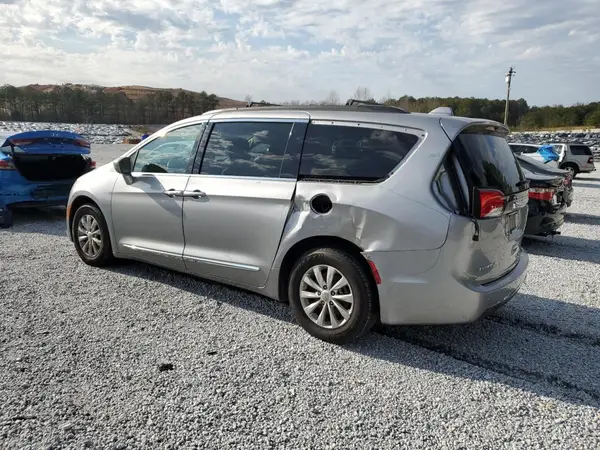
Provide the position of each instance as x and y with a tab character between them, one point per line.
133	93
127	105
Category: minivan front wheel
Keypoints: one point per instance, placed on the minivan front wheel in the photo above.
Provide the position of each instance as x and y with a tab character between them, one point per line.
331	295
90	236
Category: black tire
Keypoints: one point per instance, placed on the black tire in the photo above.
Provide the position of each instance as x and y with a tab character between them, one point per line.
365	310
105	256
572	167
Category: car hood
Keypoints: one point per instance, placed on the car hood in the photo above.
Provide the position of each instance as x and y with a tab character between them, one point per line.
46	142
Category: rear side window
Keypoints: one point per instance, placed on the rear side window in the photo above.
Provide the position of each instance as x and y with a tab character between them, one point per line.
581	150
352	153
487	161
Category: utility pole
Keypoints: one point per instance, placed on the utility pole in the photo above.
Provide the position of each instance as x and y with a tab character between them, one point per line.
511	73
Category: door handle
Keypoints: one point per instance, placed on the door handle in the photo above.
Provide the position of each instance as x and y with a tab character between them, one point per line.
196	193
172	193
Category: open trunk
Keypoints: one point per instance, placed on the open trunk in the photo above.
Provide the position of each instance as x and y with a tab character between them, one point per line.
493	193
50	167
48	155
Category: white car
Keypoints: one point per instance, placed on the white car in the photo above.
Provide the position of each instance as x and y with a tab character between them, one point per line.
531	151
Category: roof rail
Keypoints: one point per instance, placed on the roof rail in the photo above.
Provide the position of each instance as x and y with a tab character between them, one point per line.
370	105
251	104
442	111
353	101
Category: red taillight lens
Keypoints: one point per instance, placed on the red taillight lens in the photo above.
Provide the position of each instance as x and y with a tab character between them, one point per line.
92	164
6	164
541	194
82	143
491	203
21	142
591	160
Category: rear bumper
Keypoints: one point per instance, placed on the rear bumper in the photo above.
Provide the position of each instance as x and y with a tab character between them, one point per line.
436	296
541	223
587	169
34	194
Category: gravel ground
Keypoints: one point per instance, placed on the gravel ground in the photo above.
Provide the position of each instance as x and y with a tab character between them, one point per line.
139	357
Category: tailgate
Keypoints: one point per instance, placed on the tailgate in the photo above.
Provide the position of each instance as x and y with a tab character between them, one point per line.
496	193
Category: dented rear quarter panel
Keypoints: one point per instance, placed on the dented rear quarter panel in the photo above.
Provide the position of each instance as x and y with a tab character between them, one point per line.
399	214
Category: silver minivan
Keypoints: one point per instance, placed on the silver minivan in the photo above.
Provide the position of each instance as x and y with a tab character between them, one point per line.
352	214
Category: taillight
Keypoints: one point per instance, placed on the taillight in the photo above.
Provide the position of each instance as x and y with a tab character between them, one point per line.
21	142
6	164
92	164
591	160
82	143
545	194
489	203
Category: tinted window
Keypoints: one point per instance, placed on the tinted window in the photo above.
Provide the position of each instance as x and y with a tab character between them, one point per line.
171	153
487	161
581	150
346	152
252	149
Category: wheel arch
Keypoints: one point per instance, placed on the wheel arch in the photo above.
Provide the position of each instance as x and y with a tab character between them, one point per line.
312	243
77	203
573	164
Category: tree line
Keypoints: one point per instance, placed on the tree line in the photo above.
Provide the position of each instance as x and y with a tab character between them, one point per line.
96	105
520	114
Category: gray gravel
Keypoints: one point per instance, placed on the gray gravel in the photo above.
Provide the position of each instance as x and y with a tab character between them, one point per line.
85	356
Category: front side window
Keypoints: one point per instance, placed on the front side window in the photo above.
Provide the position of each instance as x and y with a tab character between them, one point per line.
252	149
352	152
171	153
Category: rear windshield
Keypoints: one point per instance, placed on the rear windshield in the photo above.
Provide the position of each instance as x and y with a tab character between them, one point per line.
487	161
581	150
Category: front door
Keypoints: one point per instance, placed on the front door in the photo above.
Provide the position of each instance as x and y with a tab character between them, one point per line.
147	213
236	207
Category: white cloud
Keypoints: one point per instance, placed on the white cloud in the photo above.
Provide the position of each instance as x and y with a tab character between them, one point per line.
301	49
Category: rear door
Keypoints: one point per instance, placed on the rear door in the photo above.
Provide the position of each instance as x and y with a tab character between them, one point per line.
496	193
237	204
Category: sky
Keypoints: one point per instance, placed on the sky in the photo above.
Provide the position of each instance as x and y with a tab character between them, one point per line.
303	49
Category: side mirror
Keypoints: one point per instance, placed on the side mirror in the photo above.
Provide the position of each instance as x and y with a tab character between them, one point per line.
123	166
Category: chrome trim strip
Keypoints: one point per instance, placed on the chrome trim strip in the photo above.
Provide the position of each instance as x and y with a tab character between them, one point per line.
149	250
222	263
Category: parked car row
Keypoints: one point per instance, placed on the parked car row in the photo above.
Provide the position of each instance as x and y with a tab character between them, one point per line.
575	158
550	184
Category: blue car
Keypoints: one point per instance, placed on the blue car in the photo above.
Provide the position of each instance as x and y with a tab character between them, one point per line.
38	168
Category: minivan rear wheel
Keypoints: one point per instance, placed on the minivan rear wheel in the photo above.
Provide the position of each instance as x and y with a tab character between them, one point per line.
331	295
90	236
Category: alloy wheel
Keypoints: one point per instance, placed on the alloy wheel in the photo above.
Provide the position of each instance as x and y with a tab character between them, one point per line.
89	235
326	296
